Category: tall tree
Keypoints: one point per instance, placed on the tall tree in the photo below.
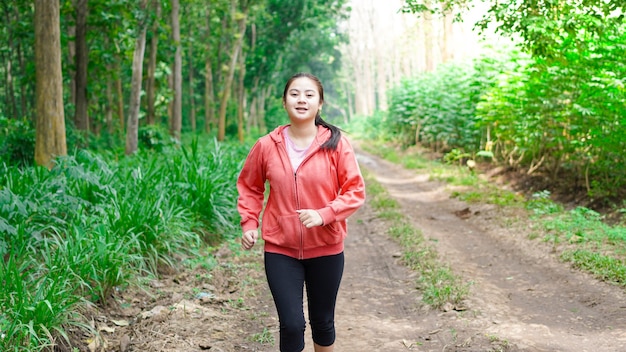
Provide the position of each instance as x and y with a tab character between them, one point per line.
152	61
209	93
81	119
177	79
429	40
241	99
239	18
192	93
132	127
50	127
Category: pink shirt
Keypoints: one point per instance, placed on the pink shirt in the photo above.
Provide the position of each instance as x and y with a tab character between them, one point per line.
296	154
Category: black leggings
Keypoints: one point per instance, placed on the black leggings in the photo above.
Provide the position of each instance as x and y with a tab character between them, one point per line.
286	277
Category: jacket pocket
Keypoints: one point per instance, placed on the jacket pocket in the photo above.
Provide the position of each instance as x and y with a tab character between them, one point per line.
321	236
284	231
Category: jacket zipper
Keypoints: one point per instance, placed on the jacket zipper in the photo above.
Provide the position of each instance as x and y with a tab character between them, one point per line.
295	181
301	251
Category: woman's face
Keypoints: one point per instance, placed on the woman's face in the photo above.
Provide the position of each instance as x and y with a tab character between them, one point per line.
302	100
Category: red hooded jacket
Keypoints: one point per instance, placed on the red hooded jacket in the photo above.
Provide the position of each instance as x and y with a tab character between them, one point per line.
328	181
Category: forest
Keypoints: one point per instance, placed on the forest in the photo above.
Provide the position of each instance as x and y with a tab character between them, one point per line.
123	124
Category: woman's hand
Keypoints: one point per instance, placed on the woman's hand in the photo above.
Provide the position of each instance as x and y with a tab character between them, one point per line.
249	238
310	218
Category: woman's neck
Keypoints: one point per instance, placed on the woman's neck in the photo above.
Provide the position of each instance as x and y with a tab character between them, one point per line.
302	135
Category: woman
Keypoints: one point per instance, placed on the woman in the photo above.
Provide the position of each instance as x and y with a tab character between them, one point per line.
315	184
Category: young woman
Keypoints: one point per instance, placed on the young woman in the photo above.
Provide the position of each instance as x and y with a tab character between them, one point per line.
315	184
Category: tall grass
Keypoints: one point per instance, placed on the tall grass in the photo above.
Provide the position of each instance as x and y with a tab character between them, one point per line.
71	235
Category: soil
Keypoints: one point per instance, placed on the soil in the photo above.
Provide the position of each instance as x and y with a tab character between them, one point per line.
522	298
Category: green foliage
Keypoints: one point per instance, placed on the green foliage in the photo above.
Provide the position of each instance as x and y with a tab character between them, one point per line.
548	28
437	109
602	266
154	137
36	301
564	116
589	243
455	156
541	204
264	337
73	234
17	142
545	27
370	128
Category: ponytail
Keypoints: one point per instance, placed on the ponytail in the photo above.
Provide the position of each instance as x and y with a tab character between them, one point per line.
335	133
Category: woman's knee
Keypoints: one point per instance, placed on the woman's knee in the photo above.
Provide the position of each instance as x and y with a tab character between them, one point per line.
323	332
292	335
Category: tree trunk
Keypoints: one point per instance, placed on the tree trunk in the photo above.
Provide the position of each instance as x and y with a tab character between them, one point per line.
120	96
177	81
11	106
241	98
447	54
23	86
50	127
192	96
81	119
108	109
10	94
253	114
209	94
221	134
132	127
429	40
71	72
152	60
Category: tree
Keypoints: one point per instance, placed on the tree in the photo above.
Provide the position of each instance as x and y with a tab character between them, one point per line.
81	119
544	26
177	79
152	61
240	19
209	93
50	127
132	127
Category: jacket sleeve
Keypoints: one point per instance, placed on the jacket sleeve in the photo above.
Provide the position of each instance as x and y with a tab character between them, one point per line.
351	186
251	188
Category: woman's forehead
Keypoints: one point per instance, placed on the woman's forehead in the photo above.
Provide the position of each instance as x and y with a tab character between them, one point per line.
303	84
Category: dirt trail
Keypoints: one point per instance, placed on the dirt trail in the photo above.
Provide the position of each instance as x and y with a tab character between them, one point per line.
521	293
522	298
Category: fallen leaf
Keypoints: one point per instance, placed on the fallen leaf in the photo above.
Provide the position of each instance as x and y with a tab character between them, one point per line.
120	322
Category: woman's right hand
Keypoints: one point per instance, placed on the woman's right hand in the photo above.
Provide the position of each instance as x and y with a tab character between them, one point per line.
249	238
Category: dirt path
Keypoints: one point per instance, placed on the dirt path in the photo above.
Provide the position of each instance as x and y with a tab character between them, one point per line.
521	293
522	298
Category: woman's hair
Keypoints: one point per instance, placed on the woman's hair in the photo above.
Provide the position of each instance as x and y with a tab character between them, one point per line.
335	132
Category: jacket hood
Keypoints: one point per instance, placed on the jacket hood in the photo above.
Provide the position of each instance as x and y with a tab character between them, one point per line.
323	135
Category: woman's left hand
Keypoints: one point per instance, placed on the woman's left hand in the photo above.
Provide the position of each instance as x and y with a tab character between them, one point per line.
310	217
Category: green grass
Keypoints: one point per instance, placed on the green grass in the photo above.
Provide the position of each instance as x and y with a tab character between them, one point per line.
264	337
96	222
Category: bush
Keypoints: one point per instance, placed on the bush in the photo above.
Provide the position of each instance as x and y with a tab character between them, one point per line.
154	137
18	142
